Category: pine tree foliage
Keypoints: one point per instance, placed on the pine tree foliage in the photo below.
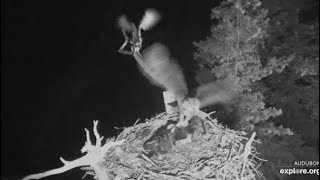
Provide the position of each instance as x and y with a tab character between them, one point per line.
276	73
296	90
232	51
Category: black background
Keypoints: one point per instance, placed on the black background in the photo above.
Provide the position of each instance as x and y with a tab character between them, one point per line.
61	70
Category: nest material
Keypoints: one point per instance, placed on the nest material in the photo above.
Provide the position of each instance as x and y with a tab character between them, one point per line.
159	150
204	149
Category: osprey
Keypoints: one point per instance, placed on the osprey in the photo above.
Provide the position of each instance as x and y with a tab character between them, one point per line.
162	70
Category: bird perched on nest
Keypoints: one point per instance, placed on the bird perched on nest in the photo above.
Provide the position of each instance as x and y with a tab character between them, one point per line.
162	70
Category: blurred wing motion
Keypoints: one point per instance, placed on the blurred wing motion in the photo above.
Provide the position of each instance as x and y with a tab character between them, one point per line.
219	91
163	70
125	25
150	18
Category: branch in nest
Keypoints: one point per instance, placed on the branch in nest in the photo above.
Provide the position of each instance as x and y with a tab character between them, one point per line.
94	156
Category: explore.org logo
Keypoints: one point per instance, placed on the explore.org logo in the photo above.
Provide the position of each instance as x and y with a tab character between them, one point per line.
301	168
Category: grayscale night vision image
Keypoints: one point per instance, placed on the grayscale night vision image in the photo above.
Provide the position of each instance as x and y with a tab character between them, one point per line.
160	90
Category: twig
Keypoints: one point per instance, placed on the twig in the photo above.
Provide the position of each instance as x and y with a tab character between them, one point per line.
94	156
247	152
136	121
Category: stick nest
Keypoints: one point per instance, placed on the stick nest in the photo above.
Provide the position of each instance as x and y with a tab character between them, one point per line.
159	150
203	150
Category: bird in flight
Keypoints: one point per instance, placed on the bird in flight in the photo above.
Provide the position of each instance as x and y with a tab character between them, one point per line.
162	70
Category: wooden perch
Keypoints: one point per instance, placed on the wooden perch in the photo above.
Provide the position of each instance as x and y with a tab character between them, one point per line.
94	156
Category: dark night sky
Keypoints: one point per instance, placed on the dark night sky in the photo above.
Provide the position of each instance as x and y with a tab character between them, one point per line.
61	70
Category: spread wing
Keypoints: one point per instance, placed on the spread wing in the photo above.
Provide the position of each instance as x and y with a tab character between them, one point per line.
150	18
164	71
125	24
219	91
